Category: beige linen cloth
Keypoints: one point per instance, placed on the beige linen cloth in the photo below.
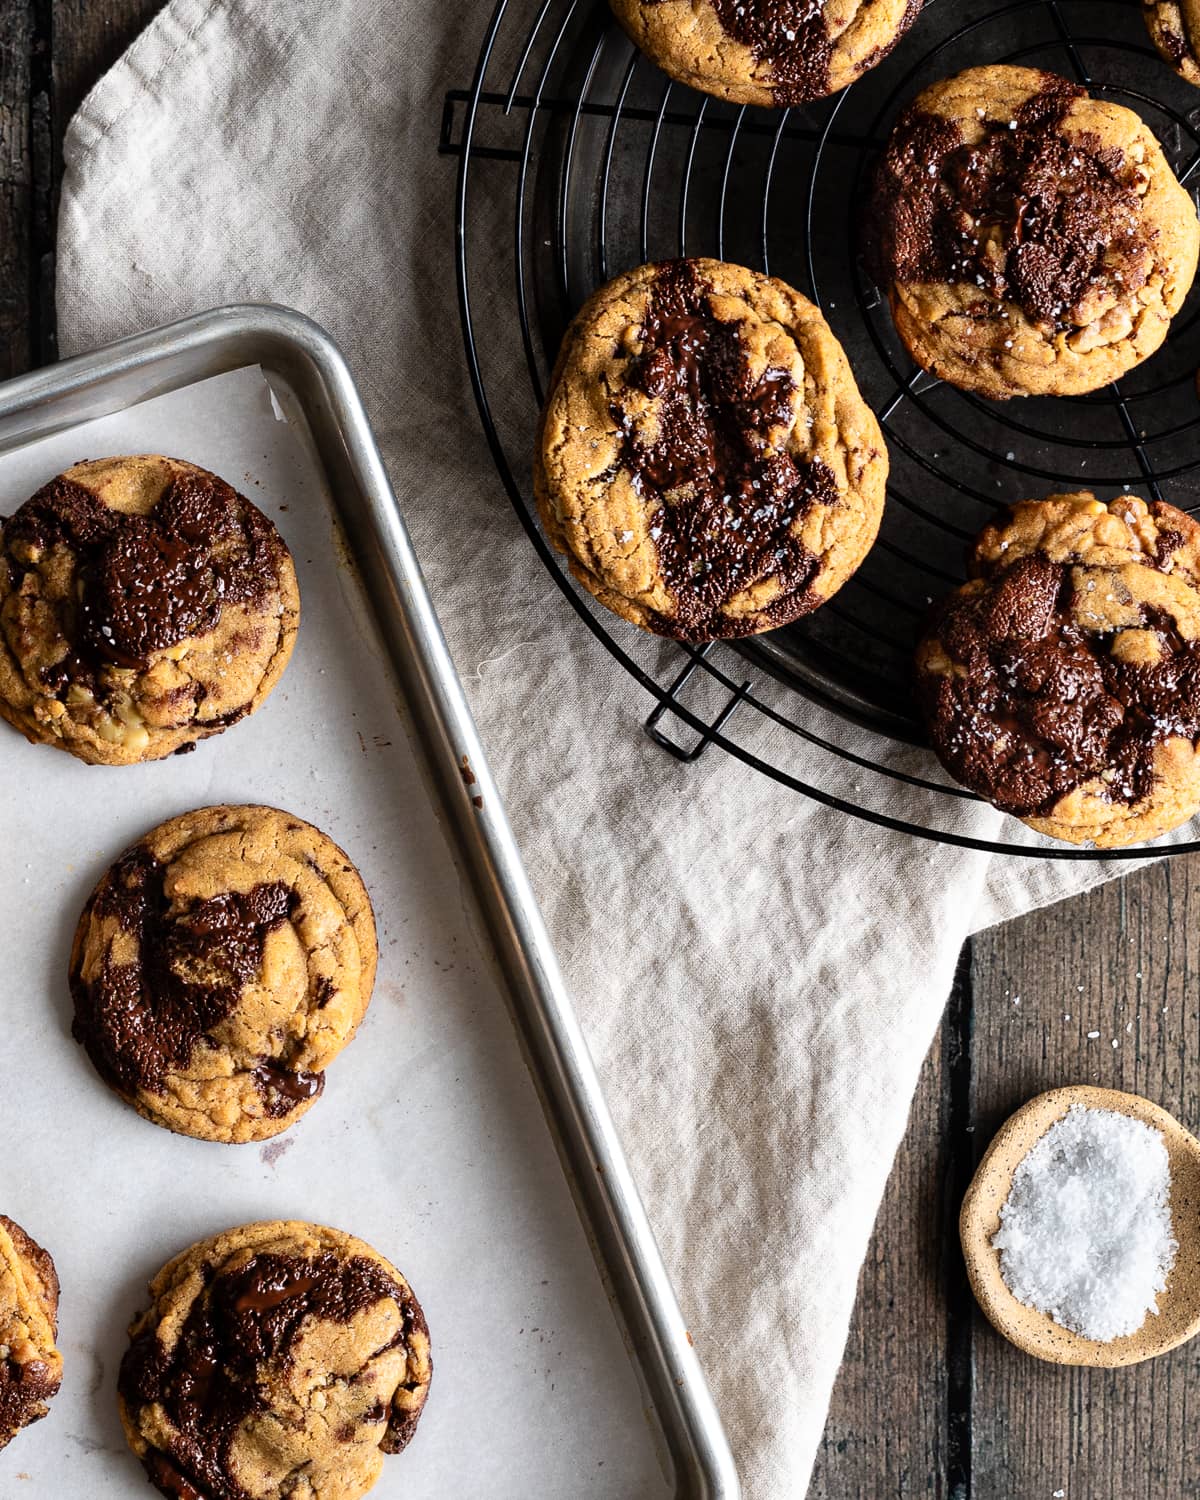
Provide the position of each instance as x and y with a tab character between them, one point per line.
759	978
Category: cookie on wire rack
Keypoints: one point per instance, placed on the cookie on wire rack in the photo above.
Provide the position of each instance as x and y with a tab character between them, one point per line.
767	52
1062	682
1030	240
1174	27
705	459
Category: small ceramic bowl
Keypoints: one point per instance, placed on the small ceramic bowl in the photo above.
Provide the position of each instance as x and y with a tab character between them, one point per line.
1178	1317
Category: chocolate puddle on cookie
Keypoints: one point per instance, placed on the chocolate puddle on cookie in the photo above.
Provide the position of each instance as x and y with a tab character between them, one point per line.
1042	706
141	1021
244	1325
282	1089
147	582
729	500
1026	215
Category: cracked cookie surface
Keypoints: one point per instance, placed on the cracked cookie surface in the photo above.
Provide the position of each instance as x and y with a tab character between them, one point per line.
1174	27
705	459
30	1364
1031	240
144	605
767	52
218	969
1062	682
277	1361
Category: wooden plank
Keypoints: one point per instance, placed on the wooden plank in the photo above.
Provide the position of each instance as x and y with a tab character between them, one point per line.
16	185
85	38
887	1431
1120	962
89	36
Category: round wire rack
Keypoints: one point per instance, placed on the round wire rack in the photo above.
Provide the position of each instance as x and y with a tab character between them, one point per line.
579	159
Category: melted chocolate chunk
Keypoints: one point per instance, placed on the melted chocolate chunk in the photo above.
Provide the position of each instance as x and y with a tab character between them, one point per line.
1026	215
149	581
1168	542
282	1089
789	36
25	1391
142	1020
728	500
1041	705
168	1479
245	1322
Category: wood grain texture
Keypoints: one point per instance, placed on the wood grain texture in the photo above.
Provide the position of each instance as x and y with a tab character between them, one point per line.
886	1430
82	40
88	37
889	1432
16	186
1121	962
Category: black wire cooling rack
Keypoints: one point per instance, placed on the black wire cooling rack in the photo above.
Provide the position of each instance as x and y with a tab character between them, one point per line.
578	159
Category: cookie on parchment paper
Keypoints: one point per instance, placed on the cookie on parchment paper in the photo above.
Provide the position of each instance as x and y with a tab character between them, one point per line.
281	1360
144	605
30	1364
220	966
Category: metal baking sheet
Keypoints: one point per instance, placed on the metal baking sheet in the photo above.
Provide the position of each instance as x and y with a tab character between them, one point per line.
430	1141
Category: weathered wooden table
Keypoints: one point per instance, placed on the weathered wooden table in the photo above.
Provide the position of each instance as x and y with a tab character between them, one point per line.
930	1401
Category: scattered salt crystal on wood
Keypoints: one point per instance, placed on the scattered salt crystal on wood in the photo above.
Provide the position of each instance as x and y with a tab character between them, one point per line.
1085	1235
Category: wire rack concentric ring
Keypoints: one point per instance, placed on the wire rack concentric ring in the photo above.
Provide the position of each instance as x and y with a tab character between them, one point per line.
579	159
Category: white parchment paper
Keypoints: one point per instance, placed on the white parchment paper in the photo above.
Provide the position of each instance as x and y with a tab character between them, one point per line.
428	1142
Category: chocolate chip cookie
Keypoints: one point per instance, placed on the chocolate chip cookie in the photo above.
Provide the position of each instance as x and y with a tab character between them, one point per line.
144	605
1174	27
766	52
1062	682
218	969
1031	240
705	459
30	1365
279	1361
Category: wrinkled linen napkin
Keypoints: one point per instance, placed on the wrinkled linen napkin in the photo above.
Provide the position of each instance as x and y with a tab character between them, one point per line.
759	977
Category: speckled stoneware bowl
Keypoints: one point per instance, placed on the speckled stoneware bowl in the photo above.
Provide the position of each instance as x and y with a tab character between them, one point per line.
1178	1316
